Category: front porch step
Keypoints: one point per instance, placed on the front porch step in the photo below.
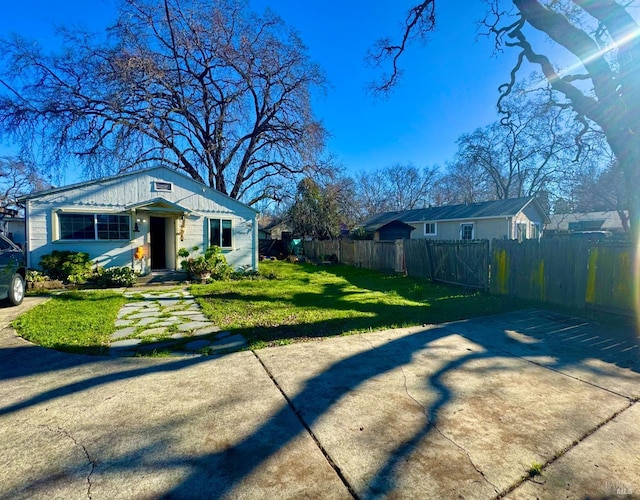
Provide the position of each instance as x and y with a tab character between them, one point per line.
162	277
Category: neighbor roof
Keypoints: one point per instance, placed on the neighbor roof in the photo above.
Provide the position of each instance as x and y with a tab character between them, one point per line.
481	210
604	221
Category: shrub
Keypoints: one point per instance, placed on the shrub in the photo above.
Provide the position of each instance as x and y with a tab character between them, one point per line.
116	276
34	276
212	264
73	267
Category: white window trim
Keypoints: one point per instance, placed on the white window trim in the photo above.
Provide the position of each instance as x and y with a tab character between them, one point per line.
536	226
473	229
233	232
435	229
57	237
162	190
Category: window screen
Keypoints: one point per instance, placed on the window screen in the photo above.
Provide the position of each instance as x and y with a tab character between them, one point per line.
93	226
113	227
221	233
466	231
77	227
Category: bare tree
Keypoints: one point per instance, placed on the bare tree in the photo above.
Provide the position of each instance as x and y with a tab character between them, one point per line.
603	88
395	188
205	87
530	151
17	178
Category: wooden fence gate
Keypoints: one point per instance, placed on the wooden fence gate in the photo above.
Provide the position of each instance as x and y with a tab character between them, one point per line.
464	263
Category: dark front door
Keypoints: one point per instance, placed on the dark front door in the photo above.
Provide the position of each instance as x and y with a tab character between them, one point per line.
158	243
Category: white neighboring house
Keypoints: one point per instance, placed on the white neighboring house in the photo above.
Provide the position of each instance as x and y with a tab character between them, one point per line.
153	212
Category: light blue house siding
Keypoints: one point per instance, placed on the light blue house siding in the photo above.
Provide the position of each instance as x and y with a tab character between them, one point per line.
157	210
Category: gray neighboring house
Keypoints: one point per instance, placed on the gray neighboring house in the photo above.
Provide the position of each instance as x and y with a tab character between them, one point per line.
608	223
139	219
12	226
516	218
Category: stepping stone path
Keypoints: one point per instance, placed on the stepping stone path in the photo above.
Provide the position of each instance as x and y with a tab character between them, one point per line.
161	320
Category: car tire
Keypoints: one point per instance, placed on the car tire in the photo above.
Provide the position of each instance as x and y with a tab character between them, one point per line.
16	290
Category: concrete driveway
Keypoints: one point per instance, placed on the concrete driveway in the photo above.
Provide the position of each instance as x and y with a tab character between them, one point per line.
461	410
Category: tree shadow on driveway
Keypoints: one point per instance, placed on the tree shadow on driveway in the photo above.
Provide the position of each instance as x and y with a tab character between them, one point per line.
378	404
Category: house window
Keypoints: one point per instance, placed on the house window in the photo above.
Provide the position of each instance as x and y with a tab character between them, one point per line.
93	227
163	186
467	231
521	231
429	228
220	233
535	230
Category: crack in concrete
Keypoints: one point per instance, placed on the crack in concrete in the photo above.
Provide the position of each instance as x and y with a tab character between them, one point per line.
441	432
90	460
315	439
568	448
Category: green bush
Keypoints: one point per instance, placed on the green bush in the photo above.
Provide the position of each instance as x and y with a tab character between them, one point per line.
72	267
212	264
116	276
34	276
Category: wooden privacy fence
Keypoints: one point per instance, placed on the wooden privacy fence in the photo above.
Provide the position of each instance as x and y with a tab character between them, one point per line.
458	262
377	255
565	271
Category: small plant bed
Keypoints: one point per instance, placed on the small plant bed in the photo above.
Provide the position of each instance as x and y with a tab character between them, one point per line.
302	301
75	321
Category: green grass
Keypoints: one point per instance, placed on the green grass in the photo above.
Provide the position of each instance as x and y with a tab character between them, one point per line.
78	322
306	301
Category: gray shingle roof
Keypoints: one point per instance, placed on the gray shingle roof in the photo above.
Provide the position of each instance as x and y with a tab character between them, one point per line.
486	209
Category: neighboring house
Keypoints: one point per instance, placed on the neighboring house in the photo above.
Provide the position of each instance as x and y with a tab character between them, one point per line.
517	218
607	223
272	228
394	230
14	229
155	211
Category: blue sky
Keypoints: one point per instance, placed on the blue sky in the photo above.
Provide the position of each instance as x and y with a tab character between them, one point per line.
449	86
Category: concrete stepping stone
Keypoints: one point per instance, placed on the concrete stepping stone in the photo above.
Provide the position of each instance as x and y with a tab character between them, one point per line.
196	345
136	304
167	322
223	335
236	341
146	314
148	321
196	317
178	336
123	322
207	330
169	302
185	313
124	332
192	325
153	331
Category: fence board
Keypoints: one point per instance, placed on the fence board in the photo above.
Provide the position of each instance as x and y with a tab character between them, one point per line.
457	262
565	271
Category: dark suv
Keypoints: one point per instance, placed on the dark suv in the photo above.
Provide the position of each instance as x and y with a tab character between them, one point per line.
12	272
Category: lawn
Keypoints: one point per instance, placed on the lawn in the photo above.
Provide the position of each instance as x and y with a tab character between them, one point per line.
302	301
290	302
74	322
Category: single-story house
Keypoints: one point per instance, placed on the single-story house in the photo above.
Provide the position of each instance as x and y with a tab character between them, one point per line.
12	226
609	223
516	218
140	219
272	228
